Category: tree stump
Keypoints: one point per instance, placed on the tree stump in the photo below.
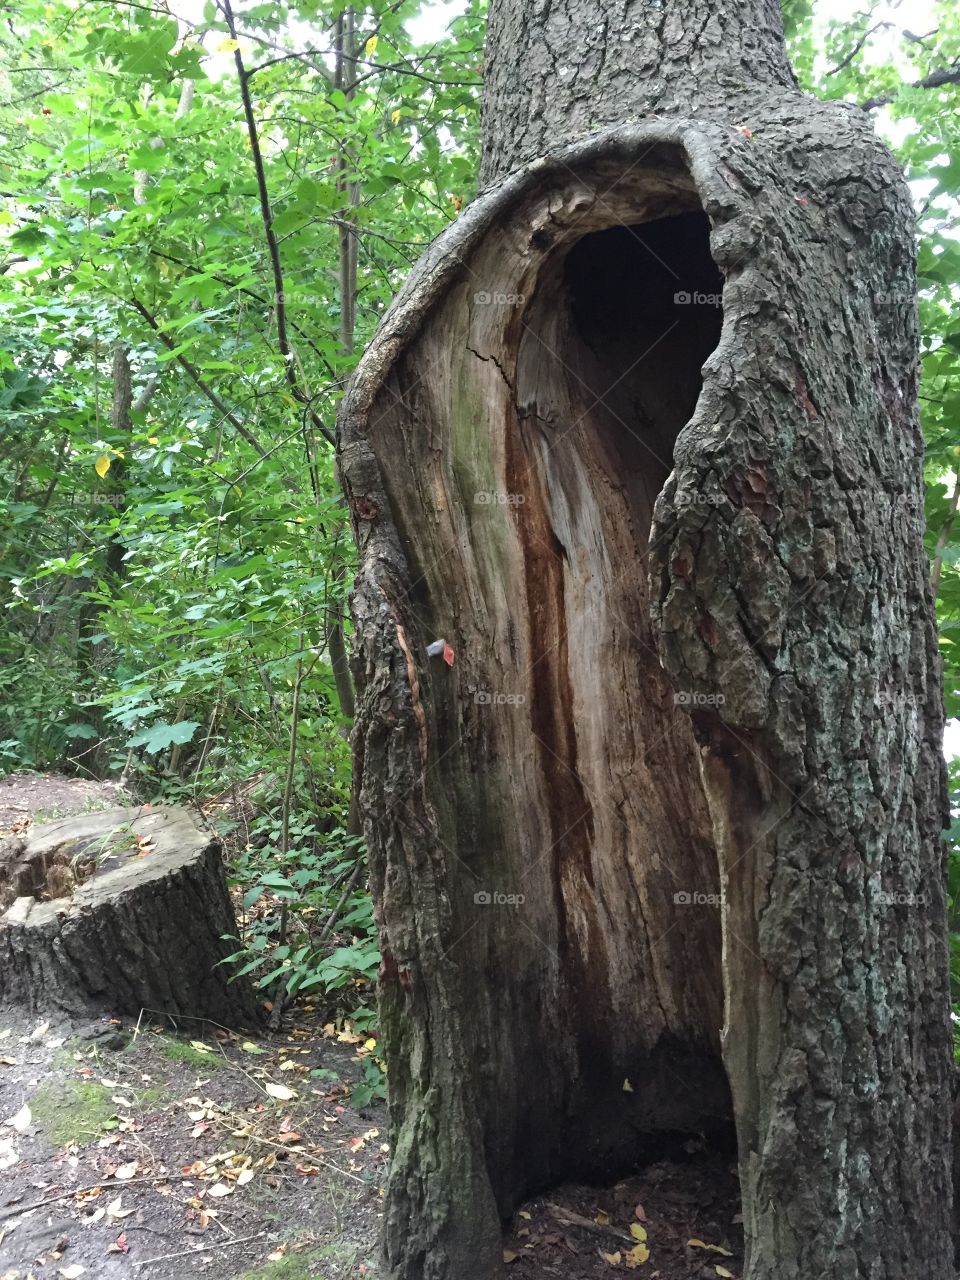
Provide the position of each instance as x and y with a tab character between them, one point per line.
119	911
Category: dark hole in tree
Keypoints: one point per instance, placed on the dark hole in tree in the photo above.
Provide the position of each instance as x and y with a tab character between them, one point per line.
645	305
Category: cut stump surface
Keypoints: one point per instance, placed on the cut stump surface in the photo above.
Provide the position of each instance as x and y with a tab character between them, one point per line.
119	911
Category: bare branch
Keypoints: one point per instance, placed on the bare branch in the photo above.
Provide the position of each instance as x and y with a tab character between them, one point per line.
935	80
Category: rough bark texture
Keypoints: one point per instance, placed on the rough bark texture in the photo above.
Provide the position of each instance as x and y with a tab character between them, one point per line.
695	658
143	934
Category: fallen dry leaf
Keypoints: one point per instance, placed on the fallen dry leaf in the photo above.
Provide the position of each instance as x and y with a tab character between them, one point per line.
21	1121
280	1092
612	1258
116	1210
724	1273
636	1256
713	1248
126	1171
73	1272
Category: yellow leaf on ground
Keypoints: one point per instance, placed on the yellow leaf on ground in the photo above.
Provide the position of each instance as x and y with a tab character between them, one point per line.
713	1248
612	1258
102	465
638	1232
602	1218
627	1087
724	1273
637	1256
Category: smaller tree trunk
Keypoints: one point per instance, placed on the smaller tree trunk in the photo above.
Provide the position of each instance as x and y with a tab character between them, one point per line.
122	911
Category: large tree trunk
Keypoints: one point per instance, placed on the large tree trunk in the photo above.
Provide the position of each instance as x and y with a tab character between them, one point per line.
677	553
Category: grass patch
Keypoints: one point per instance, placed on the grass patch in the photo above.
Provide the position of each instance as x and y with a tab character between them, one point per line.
292	1266
178	1051
305	1264
75	1111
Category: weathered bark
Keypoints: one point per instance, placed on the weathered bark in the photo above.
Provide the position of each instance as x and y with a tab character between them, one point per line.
695	658
144	933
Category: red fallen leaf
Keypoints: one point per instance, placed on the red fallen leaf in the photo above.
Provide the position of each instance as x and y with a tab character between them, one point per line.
448	655
641	1216
289	1136
306	1170
801	199
120	1244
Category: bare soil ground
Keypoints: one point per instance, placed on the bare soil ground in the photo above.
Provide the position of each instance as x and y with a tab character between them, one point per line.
675	1220
44	797
136	1152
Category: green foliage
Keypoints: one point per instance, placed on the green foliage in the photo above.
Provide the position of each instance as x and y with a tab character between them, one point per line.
318	880
174	570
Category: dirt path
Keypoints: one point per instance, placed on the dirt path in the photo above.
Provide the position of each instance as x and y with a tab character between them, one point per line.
148	1154
44	797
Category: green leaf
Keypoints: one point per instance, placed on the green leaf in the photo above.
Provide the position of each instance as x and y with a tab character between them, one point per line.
160	736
